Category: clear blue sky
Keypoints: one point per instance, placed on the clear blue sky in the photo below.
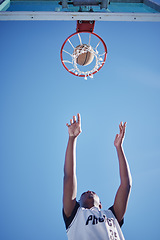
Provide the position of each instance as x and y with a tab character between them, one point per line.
38	96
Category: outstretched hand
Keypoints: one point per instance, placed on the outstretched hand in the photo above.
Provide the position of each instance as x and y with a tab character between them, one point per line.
74	129
119	137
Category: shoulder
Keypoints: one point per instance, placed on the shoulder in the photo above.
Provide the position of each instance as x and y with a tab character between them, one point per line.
68	220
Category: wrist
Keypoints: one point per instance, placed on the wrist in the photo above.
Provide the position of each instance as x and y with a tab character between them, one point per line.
72	137
119	147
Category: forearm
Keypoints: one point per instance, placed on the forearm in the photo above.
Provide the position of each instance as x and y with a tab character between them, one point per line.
70	158
125	175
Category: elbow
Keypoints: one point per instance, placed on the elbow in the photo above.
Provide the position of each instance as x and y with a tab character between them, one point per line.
129	187
127	184
69	178
130	182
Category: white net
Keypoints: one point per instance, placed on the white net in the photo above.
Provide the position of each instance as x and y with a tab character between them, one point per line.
74	47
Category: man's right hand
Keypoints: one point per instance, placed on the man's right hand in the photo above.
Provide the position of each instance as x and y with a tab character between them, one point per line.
74	129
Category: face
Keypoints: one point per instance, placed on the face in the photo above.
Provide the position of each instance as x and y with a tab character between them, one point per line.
90	199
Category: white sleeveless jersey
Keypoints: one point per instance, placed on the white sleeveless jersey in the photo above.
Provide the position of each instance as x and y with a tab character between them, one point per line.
94	224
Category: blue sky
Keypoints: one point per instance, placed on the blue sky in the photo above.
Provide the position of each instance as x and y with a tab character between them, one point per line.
38	97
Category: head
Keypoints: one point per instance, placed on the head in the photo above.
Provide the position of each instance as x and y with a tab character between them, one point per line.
90	199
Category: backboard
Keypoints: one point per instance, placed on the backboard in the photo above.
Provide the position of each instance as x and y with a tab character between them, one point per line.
68	10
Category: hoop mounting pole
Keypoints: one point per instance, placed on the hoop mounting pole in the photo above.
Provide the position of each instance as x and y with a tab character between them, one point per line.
85	26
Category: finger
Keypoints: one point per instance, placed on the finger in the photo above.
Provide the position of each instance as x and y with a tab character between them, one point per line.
117	135
79	118
74	119
120	127
71	121
123	129
67	124
124	126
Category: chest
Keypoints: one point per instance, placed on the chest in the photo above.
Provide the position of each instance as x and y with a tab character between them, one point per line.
94	224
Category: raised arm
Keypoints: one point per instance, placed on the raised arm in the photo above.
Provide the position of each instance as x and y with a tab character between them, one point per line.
122	196
70	179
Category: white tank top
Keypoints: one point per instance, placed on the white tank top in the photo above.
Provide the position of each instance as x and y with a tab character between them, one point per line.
94	224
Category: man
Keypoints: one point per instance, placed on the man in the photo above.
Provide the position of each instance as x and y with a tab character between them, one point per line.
85	220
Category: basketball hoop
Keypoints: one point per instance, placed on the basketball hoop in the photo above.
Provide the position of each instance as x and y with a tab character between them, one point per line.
87	45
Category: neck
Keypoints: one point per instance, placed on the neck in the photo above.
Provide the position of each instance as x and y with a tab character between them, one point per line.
88	206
